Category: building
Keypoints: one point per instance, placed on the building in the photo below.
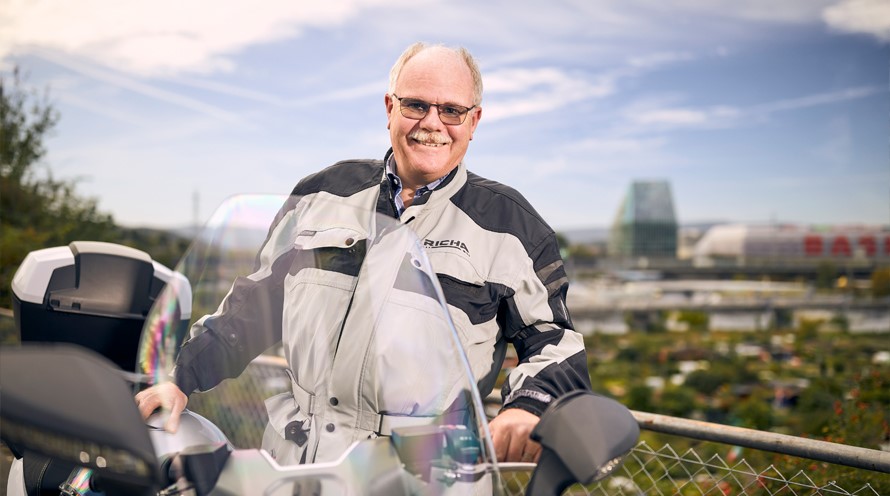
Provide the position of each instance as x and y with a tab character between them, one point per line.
645	225
741	244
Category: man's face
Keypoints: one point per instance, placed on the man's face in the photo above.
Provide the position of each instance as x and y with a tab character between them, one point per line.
427	149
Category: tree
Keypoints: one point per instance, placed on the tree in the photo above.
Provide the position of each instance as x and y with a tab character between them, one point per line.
705	381
677	401
755	412
639	397
37	210
826	275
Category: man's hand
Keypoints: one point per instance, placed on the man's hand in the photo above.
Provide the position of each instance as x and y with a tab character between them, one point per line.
510	432
167	396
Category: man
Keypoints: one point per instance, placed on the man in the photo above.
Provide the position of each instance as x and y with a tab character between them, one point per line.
507	285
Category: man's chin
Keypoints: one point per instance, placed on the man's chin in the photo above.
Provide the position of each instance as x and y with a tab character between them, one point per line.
430	157
434	167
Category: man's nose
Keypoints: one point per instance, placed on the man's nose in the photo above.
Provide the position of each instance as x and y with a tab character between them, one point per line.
431	119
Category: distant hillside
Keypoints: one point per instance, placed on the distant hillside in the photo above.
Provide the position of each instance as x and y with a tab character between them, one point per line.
590	235
597	235
586	236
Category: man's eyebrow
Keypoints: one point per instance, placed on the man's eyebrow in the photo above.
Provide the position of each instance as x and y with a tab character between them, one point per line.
446	103
455	104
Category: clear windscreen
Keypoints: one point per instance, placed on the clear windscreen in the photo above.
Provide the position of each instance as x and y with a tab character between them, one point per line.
353	336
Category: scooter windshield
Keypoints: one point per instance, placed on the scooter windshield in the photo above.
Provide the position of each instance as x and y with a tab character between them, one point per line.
316	326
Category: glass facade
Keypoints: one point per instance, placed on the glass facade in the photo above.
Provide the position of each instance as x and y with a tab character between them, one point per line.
645	225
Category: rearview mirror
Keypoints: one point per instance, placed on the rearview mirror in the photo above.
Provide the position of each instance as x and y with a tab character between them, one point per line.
72	404
584	437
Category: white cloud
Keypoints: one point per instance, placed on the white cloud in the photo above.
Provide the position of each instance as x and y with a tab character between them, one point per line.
676	116
163	37
662	114
659	59
123	81
617	145
870	17
659	114
786	11
514	92
816	100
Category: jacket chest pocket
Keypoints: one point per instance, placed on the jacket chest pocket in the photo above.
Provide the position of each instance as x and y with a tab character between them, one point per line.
456	265
476	300
340	249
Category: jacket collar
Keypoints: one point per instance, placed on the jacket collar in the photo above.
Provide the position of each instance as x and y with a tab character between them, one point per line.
453	182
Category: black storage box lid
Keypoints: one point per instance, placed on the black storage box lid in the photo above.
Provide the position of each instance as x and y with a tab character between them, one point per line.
89	293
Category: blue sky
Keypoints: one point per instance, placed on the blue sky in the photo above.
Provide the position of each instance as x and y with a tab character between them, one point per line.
755	111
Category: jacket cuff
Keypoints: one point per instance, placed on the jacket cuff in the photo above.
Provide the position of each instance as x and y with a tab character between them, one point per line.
185	381
529	400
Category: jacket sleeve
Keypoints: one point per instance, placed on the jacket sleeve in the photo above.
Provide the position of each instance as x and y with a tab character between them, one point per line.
552	359
247	322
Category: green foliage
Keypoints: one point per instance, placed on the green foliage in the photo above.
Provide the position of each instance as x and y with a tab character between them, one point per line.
826	275
880	282
707	381
697	321
840	322
859	416
8	334
639	397
582	253
677	401
40	211
815	405
562	241
24	126
755	412
164	247
845	396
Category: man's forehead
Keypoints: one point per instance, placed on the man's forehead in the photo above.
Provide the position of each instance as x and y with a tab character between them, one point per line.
437	66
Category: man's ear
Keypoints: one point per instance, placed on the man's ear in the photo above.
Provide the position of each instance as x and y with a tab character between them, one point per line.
387	101
474	118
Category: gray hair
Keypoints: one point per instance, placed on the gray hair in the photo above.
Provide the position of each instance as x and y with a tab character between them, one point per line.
420	46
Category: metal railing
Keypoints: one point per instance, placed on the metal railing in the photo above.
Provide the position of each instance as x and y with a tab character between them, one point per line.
812	449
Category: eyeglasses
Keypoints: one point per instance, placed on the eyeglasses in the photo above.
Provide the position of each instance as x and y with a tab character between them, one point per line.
449	113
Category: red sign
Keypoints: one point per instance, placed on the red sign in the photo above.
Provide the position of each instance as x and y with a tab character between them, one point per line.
841	246
869	244
814	245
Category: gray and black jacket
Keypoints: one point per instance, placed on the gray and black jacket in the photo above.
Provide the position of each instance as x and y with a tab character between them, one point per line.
497	262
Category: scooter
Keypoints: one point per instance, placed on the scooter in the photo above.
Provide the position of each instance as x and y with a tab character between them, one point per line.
403	379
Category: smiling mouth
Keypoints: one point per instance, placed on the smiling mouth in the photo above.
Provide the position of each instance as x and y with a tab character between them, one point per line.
431	144
430	139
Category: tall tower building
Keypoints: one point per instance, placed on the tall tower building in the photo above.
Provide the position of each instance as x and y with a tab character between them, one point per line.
645	225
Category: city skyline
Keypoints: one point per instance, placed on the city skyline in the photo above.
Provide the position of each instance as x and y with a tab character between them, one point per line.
753	112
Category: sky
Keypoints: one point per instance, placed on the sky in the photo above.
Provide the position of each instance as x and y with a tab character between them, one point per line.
754	111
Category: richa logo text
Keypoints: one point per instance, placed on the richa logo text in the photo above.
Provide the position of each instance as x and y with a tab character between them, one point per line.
446	243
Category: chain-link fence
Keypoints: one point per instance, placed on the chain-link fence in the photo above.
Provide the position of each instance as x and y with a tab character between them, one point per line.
663	471
237	406
706	468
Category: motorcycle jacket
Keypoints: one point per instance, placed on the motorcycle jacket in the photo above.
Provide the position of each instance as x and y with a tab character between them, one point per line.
500	271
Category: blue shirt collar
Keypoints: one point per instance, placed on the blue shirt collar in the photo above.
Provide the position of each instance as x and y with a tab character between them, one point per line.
396	183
